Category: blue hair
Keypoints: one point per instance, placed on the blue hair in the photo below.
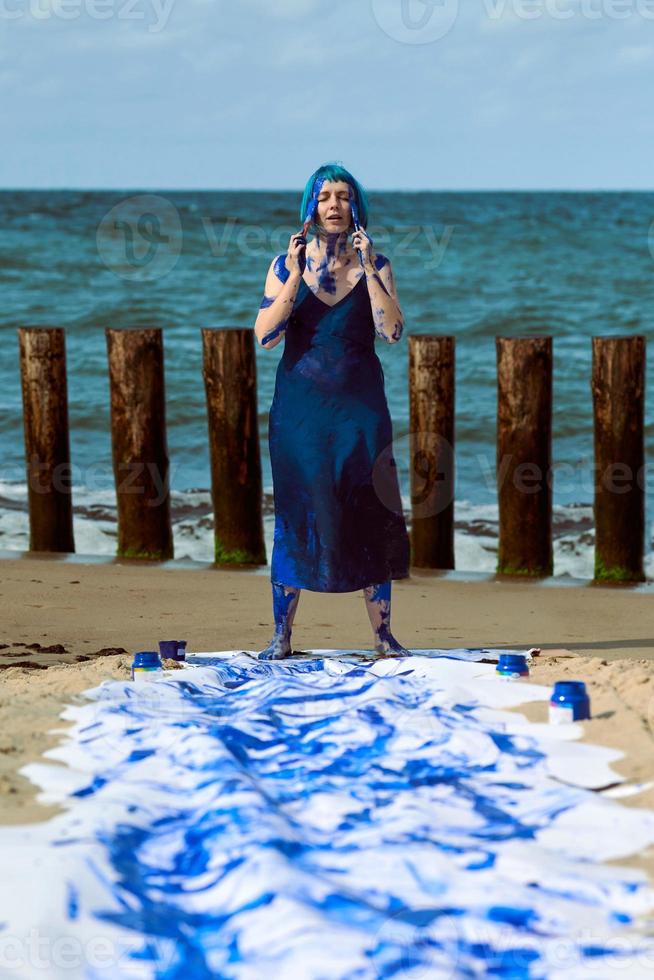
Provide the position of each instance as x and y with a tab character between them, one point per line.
334	171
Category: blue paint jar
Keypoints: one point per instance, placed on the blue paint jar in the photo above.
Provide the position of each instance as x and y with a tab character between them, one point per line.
512	665
146	666
181	650
168	649
569	702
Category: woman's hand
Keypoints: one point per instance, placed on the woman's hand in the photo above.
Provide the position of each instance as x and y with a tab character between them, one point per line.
295	260
363	244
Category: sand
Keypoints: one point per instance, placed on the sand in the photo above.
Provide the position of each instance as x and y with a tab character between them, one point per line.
66	626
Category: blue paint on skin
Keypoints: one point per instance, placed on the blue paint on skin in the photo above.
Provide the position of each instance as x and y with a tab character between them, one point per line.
280	267
378	604
282	274
334	245
276	331
398	328
266	302
285	600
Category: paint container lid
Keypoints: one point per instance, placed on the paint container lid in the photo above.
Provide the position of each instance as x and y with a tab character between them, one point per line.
146	658
514	663
569	691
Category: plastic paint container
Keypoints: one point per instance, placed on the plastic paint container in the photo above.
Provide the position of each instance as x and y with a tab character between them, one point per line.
512	665
569	702
146	666
168	649
172	649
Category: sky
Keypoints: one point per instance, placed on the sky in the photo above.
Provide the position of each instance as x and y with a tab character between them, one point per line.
256	94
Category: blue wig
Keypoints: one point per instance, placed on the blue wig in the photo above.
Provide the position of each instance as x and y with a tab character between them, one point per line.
334	171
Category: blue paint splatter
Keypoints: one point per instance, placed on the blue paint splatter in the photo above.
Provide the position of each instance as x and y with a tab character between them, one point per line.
383	816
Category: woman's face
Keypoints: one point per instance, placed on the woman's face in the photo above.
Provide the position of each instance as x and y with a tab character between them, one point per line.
333	212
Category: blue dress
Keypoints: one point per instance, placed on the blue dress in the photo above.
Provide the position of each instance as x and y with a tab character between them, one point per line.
339	525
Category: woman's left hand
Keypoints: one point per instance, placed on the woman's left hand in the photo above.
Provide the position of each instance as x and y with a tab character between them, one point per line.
363	243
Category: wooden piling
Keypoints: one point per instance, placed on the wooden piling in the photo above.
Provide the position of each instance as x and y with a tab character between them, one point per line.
618	389
139	443
47	443
524	455
431	450
230	380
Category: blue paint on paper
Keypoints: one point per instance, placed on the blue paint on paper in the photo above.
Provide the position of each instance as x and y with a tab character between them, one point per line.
73	901
320	819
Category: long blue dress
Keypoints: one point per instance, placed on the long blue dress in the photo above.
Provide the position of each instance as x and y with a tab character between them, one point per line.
339	525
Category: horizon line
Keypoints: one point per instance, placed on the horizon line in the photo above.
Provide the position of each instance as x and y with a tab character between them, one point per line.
383	190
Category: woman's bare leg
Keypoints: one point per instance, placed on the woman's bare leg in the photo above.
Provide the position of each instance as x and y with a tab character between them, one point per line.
378	605
285	600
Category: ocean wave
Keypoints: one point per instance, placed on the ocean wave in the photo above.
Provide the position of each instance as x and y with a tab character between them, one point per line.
475	529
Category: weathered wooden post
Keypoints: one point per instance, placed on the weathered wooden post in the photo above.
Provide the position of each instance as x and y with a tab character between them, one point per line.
47	443
139	443
230	379
524	455
618	387
431	450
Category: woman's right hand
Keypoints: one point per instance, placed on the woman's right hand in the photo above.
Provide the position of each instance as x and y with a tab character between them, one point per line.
295	260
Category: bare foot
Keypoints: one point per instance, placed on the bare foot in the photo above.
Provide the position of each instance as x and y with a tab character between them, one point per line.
390	647
278	648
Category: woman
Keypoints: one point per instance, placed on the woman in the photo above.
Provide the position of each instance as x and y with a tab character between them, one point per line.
339	525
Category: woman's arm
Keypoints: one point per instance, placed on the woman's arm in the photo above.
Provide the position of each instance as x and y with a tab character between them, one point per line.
386	312
280	290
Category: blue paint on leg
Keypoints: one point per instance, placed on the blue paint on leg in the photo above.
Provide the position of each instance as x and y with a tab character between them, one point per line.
378	605
285	600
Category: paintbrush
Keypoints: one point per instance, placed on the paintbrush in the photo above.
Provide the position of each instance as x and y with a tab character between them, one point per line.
355	218
312	206
310	213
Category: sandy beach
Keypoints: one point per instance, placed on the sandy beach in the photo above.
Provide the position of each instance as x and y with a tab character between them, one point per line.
67	626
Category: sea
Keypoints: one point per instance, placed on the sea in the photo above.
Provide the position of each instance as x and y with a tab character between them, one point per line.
472	265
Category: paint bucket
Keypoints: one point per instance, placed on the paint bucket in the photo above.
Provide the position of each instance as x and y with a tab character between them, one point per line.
168	649
569	702
146	666
512	665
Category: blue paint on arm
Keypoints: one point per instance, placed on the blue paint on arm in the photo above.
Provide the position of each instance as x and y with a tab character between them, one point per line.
279	329
266	302
279	268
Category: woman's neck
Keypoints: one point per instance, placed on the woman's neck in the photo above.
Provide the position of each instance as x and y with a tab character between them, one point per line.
331	248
